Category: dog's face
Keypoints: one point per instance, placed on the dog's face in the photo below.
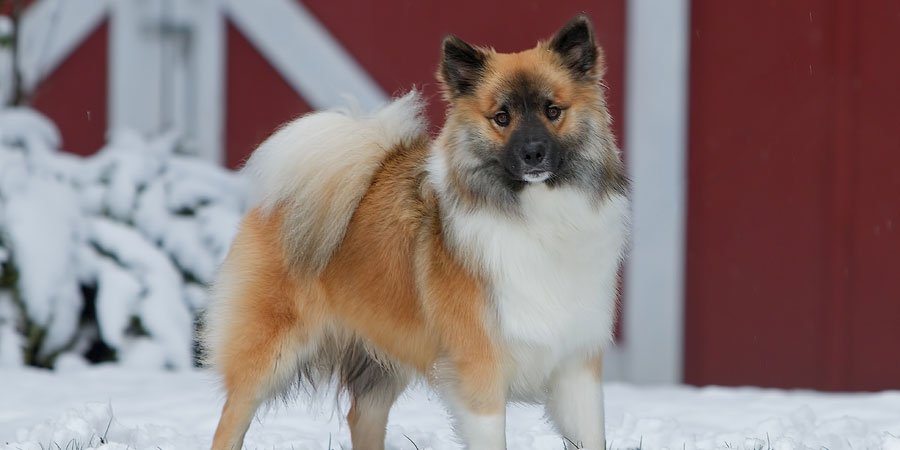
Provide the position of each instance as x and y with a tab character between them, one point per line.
537	116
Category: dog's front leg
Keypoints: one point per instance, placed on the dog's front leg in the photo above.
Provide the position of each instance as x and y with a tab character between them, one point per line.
470	372
575	404
476	395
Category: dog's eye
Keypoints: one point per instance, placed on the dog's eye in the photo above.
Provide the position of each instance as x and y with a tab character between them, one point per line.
553	112
501	118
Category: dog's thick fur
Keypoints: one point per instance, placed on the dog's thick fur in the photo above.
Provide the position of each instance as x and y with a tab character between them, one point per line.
484	260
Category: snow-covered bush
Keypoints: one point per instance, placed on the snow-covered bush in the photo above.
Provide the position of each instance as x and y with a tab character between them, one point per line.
106	257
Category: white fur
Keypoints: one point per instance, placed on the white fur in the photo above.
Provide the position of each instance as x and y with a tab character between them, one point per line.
311	150
552	274
575	405
480	431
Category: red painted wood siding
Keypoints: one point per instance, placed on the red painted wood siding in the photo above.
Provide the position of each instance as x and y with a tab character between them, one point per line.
873	155
793	248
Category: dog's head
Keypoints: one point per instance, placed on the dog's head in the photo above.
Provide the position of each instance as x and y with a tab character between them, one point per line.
537	116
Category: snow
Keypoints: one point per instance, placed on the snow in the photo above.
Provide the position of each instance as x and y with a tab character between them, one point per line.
148	409
117	299
30	128
43	225
162	309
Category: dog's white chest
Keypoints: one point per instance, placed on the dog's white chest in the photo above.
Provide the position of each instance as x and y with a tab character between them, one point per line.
552	272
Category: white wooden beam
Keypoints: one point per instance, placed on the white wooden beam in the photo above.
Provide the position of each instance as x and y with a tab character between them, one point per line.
656	123
191	36
209	80
305	54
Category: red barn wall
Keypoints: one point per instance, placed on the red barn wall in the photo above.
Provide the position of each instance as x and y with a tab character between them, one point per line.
793	245
871	217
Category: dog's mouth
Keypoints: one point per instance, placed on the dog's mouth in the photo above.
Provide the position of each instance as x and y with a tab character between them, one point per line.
536	176
531	175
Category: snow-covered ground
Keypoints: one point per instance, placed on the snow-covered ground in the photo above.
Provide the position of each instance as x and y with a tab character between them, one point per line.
136	409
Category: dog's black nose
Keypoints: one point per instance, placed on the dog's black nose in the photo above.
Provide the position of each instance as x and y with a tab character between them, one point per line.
533	153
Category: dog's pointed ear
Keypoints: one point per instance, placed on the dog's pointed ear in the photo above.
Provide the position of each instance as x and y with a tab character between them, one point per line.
462	65
575	44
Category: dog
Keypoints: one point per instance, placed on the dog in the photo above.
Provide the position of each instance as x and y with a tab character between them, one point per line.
484	260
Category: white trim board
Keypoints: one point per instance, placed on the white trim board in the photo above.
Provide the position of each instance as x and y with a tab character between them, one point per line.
656	139
305	54
210	86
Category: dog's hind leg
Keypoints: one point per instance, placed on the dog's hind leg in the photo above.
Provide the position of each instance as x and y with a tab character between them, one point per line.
262	369
373	389
262	358
260	328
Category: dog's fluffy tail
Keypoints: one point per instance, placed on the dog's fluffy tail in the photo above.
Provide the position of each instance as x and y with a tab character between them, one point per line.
316	169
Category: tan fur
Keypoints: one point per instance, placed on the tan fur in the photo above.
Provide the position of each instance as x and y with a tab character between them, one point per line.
264	330
456	309
370	282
